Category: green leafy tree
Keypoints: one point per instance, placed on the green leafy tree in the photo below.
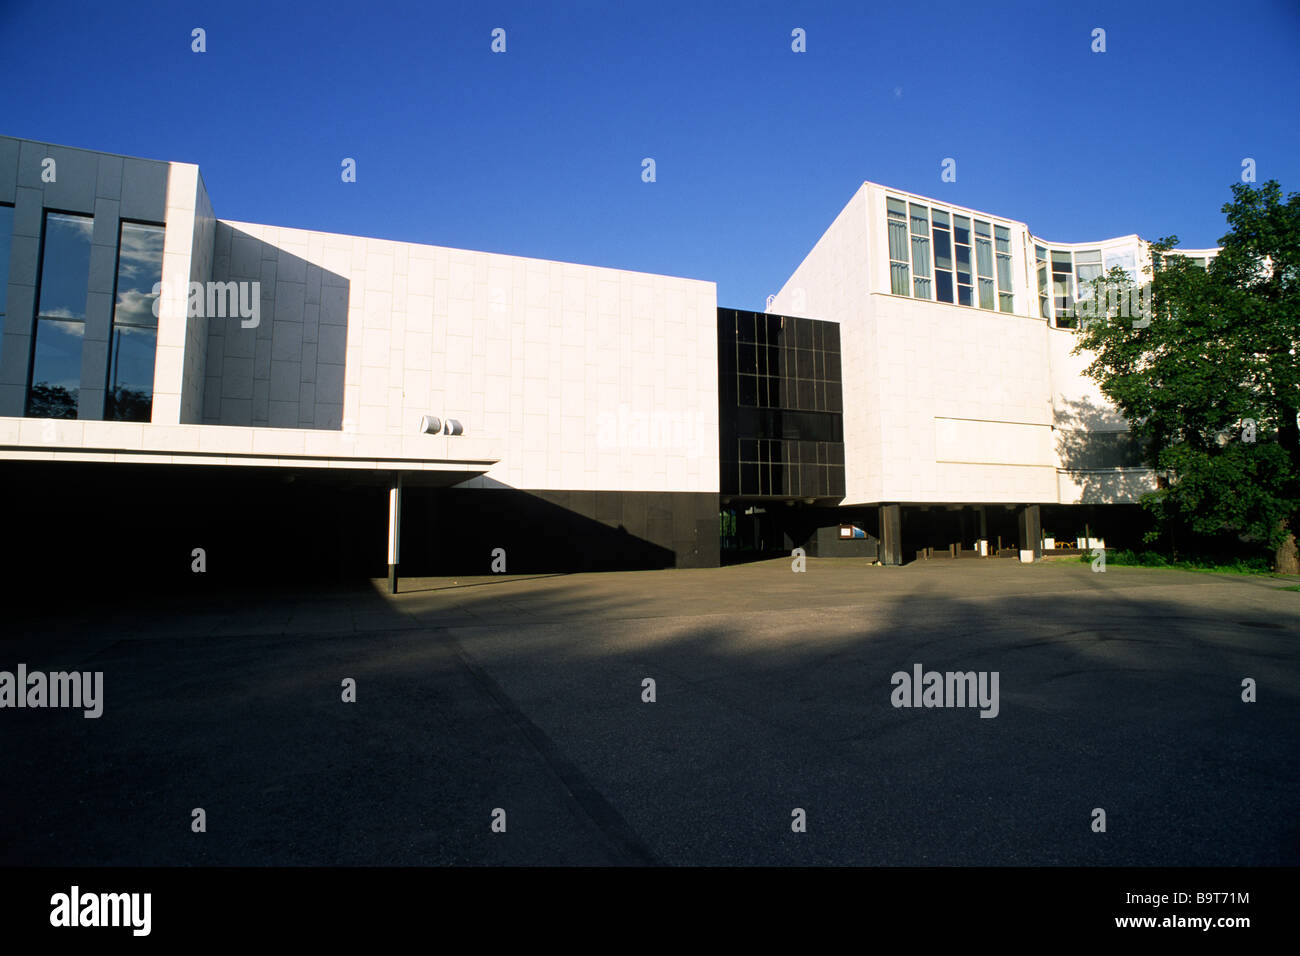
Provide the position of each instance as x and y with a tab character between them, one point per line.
1210	379
128	405
51	401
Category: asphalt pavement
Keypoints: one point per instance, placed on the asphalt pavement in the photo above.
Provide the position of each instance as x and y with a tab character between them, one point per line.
773	693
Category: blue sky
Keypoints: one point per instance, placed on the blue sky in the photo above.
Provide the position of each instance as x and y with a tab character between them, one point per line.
537	151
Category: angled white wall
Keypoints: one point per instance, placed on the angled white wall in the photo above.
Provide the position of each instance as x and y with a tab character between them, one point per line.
832	283
591	378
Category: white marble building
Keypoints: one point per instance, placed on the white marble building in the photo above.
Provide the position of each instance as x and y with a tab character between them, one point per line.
138	328
962	403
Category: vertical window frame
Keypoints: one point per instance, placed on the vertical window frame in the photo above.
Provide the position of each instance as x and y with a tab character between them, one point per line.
984	241
899	266
1062	304
1042	269
41	316
922	282
114	324
1006	293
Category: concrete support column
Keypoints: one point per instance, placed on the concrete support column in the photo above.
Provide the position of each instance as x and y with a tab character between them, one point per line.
394	529
891	535
1031	533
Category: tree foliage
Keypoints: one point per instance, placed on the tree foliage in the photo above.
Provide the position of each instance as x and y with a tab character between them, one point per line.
1210	380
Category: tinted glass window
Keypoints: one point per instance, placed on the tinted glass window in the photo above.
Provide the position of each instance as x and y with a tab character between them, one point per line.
961	229
139	269
129	396
6	242
65	266
942	249
56	372
130	385
943	286
61	322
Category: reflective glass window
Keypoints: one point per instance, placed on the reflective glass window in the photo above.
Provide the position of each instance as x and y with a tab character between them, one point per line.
6	243
55	384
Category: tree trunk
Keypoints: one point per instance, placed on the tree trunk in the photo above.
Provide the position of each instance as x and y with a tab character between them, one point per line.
1288	437
1287	560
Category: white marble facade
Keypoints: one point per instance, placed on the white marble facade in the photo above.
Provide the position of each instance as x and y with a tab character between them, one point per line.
585	378
953	404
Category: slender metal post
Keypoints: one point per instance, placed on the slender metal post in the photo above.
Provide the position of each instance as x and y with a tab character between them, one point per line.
394	529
